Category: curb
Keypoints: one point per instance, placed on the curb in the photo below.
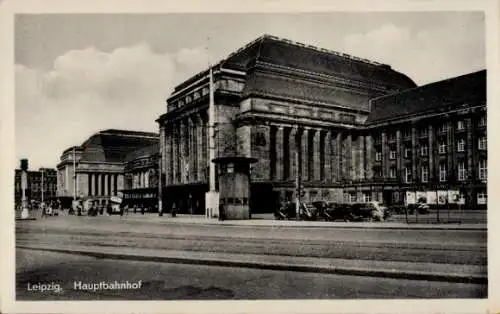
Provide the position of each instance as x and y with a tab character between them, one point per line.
385	273
409	227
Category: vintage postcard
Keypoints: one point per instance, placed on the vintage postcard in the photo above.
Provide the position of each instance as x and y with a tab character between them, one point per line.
269	156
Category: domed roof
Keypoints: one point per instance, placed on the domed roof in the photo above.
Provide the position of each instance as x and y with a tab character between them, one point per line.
114	145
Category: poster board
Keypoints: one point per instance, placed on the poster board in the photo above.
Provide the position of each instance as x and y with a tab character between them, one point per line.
453	196
431	197
442	197
421	195
410	197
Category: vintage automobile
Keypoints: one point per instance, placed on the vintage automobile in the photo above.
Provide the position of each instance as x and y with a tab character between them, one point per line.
371	211
307	211
331	211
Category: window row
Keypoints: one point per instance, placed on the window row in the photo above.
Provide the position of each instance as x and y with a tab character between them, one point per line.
460	125
462	173
442	148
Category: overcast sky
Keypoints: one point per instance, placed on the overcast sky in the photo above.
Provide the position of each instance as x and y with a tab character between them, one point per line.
78	74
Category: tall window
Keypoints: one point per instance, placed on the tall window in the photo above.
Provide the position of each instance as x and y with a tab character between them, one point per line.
424	132
442	172
442	147
367	197
378	156
352	197
408	175
443	128
407	152
392	154
482	121
392	173
461	145
461	171
425	174
460	125
483	143
424	150
483	169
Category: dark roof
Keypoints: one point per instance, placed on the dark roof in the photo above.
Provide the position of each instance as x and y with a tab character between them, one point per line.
281	86
144	152
446	94
115	145
286	53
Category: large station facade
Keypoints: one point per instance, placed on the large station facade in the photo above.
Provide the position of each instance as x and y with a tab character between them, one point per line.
102	164
362	131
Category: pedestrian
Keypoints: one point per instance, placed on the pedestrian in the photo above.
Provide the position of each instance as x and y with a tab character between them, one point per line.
142	209
122	209
109	209
135	208
126	209
42	206
174	210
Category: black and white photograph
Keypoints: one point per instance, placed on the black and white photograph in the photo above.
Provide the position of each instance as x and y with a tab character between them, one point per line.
220	155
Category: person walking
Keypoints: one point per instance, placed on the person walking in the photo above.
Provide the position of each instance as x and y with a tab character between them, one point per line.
44	213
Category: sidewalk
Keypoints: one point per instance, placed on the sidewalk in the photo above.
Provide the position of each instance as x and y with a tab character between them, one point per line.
402	270
266	220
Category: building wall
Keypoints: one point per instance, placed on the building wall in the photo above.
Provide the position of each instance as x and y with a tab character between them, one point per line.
423	146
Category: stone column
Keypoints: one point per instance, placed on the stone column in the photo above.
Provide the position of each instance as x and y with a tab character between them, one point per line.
347	156
385	155
166	158
280	139
328	157
192	151
340	158
292	146
106	187
120	182
175	152
354	157
399	155
369	156
431	153
316	164
199	148
304	150
362	157
98	184
414	152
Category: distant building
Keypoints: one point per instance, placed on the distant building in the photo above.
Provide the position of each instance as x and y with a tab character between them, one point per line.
362	131
43	179
100	163
141	177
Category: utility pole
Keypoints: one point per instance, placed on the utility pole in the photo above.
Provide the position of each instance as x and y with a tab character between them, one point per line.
43	187
74	173
298	182
212	195
160	194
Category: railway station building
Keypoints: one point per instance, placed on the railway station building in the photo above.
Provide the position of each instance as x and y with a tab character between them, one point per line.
362	131
98	165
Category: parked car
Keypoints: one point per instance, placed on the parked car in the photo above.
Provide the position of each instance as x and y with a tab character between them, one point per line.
331	211
307	211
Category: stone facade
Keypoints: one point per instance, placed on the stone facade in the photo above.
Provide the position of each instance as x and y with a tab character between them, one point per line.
325	126
100	165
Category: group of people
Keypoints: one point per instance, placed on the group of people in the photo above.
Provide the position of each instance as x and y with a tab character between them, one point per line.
51	208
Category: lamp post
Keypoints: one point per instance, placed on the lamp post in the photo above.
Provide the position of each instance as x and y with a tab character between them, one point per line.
160	194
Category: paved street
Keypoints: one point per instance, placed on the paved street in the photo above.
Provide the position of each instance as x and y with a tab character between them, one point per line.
163	281
434	250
